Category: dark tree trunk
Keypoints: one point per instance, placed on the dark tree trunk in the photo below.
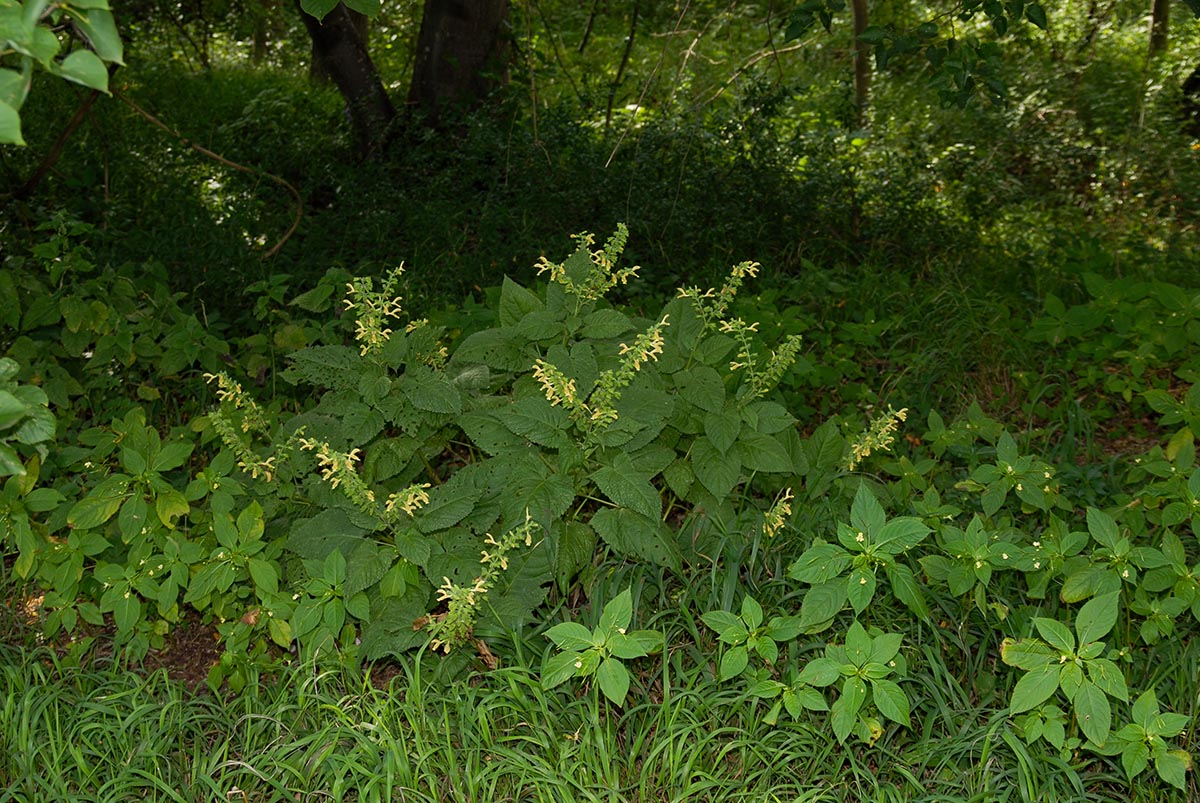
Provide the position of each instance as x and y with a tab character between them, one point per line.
1160	26
340	48
1191	103
462	55
318	70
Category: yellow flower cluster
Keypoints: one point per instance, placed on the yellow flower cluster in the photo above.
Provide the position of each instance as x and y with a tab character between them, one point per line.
409	501
879	435
603	275
231	395
776	517
373	309
453	628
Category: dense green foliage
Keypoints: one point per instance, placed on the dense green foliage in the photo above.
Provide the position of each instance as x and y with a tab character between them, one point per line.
926	476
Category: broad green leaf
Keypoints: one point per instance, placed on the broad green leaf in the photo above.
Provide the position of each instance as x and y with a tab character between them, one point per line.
622	483
752	612
885	647
891	701
819	564
1036	14
900	535
14	87
906	588
368	7
131	521
860	588
1034	688
1088	582
85	67
722	621
722	428
1097	617
733	662
1172	767
101	504
858	644
1108	677
633	535
515	301
1102	527
101	32
761	452
576	548
1055	633
1093	713
265	576
624	645
617	613
866	514
605	323
821	604
717	472
1026	653
783	628
560	668
571	636
820	672
614	680
844	711
1145	707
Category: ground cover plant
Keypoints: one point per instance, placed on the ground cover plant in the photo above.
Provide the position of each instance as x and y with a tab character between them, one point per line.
875	481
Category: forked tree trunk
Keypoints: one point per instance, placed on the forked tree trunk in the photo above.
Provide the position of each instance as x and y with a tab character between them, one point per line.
462	55
339	46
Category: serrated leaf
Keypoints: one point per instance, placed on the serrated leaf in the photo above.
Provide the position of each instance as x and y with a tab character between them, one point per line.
866	514
622	483
717	473
844	712
820	564
900	535
764	453
617	613
1026	653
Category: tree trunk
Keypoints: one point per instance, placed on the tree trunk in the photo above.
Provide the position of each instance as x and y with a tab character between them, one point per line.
318	71
862	64
339	46
462	55
1160	25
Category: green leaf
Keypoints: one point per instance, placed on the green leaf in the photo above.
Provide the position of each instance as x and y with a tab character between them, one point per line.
14	87
617	613
906	588
614	680
820	564
821	604
844	712
1097	617
571	636
515	301
733	662
97	25
1037	15
1108	677
752	612
722	621
1093	713
560	668
820	672
716	472
100	505
860	588
761	452
368	7
891	701
605	323
633	535
722	428
1103	528
900	535
622	483
1056	633
1034	688
265	576
1172	767
701	386
885	647
576	548
85	67
866	514
1026	653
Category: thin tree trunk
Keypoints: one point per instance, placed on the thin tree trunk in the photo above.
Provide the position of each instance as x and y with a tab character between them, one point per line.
1160	26
862	64
343	54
